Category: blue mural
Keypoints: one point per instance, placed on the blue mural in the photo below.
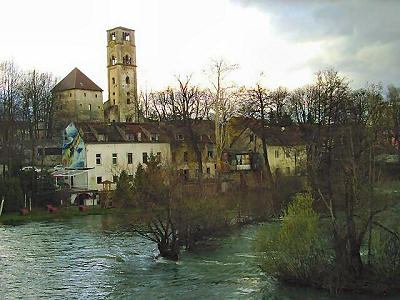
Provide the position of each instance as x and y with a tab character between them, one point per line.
73	150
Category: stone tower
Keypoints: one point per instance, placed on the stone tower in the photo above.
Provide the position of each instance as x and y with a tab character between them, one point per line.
122	104
77	99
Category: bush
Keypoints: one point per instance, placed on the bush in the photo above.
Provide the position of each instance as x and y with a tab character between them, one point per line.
386	254
123	194
13	195
296	252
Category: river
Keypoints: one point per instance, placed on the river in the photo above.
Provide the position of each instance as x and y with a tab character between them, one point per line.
98	257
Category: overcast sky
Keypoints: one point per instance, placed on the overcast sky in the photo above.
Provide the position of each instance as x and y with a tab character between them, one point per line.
287	41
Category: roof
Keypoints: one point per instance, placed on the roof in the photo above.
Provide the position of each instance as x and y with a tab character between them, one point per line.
120	27
76	80
204	129
279	136
116	132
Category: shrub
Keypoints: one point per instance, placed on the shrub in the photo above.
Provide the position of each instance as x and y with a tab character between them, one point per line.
296	251
385	260
13	195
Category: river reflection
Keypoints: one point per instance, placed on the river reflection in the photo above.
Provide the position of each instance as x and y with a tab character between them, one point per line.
98	257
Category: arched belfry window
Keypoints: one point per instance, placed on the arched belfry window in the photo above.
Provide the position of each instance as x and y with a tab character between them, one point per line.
127	80
113	60
126	60
112	35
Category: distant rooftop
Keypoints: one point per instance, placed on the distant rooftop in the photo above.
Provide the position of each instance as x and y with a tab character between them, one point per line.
76	80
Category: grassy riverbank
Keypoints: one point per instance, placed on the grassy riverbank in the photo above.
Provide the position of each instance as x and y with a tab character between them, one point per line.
37	215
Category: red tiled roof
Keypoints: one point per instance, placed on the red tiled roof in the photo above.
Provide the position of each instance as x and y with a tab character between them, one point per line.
76	80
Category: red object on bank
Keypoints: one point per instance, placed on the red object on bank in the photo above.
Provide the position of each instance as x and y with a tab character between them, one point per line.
23	211
83	207
51	208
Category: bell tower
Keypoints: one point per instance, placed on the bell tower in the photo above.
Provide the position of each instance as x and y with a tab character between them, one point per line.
122	101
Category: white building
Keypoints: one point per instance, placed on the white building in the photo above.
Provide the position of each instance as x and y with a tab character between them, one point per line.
96	153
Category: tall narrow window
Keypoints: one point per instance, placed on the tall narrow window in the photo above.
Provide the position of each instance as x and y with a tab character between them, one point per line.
127	80
114	158
90	106
144	157
98	159
276	153
130	159
99	180
113	36
113	80
185	156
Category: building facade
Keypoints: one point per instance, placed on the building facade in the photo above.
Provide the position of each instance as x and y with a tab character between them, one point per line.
99	152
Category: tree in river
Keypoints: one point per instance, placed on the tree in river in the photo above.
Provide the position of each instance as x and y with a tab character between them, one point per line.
343	129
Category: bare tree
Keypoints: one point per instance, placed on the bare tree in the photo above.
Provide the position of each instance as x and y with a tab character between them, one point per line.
256	103
222	95
10	103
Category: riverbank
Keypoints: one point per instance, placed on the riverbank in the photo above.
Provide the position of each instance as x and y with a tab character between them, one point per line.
38	215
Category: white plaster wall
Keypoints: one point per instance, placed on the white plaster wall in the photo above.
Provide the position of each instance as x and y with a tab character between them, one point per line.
107	170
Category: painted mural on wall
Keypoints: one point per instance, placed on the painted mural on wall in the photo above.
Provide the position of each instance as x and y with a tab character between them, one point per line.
73	151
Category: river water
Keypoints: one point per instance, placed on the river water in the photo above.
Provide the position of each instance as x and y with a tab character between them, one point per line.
98	257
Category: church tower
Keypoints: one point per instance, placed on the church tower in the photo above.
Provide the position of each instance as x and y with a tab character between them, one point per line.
122	104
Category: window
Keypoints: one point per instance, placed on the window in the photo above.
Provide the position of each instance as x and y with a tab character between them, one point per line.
139	136
154	137
113	36
179	137
114	158
208	171
128	101
84	94
144	157
95	95
126	60
130	158
186	174
90	106
99	180
276	153
158	157
251	138
185	156
130	136
113	80
114	101
127	80
101	137
98	159
126	36
70	94
113	93
210	154
80	104
115	178
113	60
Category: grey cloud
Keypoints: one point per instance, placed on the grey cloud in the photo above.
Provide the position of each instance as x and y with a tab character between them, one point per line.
369	31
